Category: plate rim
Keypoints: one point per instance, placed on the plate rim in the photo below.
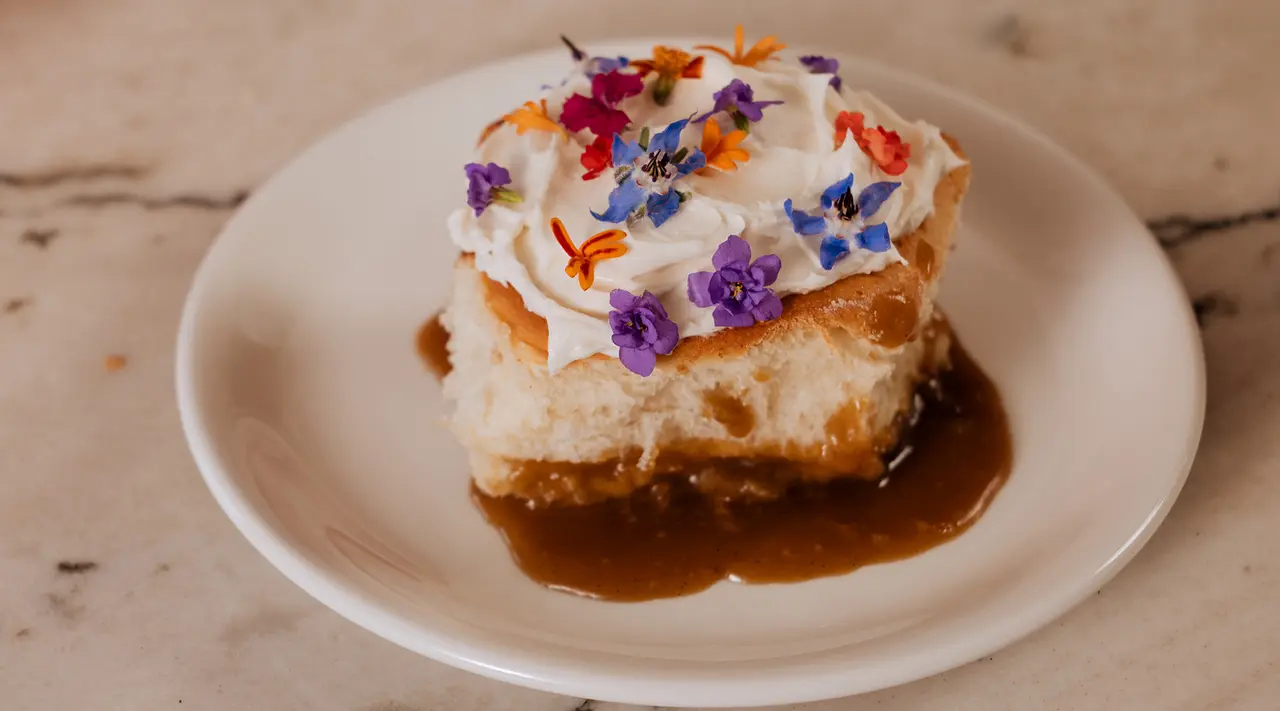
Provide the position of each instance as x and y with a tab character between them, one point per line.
707	692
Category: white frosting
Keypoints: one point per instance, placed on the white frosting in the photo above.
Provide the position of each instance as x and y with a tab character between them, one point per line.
791	157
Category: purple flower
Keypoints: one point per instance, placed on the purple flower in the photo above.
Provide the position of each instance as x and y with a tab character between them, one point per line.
641	330
738	286
738	100
485	184
592	66
843	218
818	64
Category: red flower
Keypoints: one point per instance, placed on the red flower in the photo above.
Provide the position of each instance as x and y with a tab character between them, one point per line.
885	147
598	157
599	113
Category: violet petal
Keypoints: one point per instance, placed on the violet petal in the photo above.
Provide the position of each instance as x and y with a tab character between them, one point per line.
640	362
734	249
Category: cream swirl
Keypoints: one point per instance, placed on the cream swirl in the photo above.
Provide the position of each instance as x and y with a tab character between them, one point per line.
792	156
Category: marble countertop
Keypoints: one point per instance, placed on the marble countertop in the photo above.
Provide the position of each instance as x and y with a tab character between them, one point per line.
131	129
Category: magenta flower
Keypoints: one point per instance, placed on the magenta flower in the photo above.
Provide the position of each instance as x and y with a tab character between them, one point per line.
737	99
641	330
818	64
738	288
599	113
485	184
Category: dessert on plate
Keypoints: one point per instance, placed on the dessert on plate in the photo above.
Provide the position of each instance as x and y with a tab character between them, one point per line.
717	263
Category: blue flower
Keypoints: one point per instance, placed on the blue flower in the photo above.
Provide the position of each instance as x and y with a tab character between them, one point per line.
646	172
843	218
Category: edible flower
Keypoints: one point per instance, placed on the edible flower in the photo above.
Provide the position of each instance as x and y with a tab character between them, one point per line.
738	100
722	150
641	330
843	218
646	171
671	65
599	112
885	147
819	64
764	49
490	129
597	157
533	117
485	185
738	287
599	247
592	66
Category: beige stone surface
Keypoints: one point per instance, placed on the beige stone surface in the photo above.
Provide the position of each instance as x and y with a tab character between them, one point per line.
130	128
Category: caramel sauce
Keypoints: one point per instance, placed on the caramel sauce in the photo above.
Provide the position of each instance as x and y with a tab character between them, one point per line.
926	259
892	318
728	410
433	342
694	527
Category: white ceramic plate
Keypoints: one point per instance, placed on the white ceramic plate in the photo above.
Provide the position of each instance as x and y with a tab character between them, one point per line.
313	420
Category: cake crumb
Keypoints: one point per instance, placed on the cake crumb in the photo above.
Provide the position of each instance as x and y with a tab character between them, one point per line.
115	362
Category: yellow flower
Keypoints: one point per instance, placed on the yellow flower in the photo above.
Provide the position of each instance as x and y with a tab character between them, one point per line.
671	65
533	117
722	151
764	49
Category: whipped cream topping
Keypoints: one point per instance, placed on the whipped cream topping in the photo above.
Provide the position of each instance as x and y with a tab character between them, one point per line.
792	156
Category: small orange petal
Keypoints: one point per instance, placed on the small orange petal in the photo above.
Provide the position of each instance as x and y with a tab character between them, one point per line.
693	70
489	130
562	236
642	66
712	48
603	240
587	276
533	117
710	136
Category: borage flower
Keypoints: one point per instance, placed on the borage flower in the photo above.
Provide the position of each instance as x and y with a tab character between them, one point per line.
533	117
598	247
884	147
485	184
738	100
843	218
646	172
671	65
592	66
738	287
599	113
764	49
819	64
722	150
641	330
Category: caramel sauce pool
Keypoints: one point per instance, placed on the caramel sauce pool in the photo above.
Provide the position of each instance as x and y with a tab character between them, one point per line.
668	540
433	342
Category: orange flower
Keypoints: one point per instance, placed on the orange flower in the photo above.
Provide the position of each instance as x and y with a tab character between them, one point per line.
885	147
533	117
671	65
764	49
722	151
598	247
489	130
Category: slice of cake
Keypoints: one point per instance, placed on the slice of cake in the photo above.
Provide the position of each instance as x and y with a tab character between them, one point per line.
720	266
